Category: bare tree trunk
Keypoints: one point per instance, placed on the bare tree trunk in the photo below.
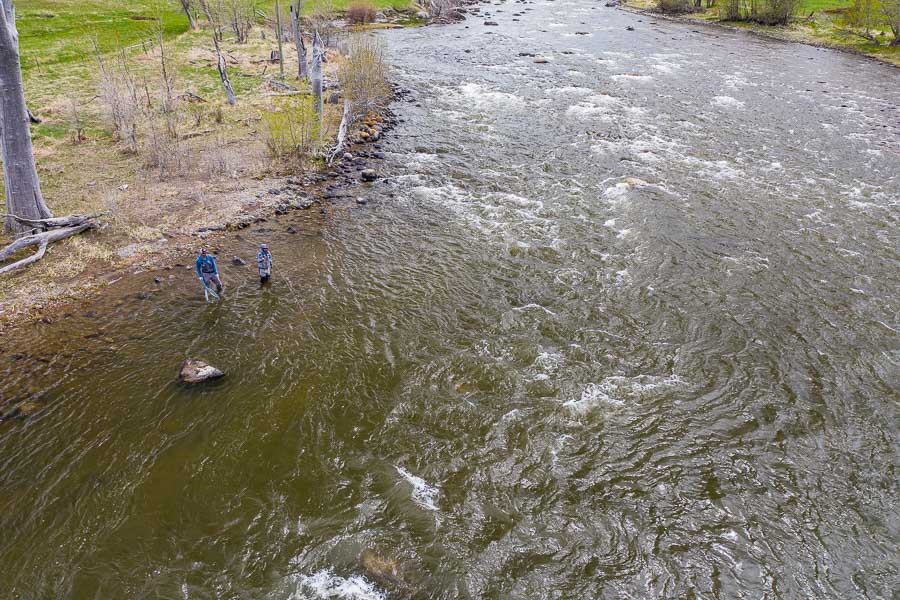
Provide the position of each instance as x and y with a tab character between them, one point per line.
223	73
186	5
298	40
317	53
23	190
209	18
280	34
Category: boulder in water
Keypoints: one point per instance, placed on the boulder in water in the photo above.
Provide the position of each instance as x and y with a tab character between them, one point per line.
198	371
368	175
238	261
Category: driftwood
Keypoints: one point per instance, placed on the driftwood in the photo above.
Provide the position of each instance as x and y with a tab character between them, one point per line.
281	85
54	222
56	229
294	93
346	119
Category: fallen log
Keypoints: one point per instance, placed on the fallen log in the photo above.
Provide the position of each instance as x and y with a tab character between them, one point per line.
41	240
342	133
54	222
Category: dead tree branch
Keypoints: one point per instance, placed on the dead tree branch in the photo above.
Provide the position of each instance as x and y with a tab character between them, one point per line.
41	241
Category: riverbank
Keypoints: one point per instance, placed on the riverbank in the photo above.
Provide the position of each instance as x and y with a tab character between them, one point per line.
822	29
192	171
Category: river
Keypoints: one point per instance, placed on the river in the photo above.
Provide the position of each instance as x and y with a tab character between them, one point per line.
622	324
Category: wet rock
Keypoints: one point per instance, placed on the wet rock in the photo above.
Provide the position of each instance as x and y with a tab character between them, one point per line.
197	371
492	24
333	98
157	280
292	229
378	155
629	28
368	175
238	261
361	201
541	61
422	15
347	156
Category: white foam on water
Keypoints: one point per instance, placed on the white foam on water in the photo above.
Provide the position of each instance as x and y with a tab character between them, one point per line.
587	110
423	494
618	391
569	89
548	362
482	96
326	585
727	102
668	69
532	305
737	80
633	77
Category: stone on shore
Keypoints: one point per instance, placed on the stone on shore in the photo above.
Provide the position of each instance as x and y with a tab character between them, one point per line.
198	371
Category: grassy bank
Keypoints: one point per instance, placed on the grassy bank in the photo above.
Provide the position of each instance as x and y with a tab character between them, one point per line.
822	23
196	162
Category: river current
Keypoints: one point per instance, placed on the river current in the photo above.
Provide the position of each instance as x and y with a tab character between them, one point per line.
621	324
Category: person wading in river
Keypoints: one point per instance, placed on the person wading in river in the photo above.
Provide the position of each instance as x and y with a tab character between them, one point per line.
207	270
264	262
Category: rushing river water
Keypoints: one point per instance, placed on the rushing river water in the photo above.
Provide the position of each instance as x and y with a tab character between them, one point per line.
619	325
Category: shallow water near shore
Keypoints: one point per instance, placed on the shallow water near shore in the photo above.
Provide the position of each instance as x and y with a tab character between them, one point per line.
619	325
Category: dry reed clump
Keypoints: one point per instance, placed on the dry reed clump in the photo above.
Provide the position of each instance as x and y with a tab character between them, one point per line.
363	75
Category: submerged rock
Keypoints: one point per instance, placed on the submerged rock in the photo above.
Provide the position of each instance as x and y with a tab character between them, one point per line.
198	371
238	261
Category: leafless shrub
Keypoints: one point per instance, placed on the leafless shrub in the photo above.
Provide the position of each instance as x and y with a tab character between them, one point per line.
361	12
76	125
216	161
443	9
119	98
891	11
363	75
161	150
236	16
766	12
322	19
674	6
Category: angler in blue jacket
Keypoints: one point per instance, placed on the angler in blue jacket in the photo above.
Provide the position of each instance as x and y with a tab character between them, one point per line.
264	262
207	270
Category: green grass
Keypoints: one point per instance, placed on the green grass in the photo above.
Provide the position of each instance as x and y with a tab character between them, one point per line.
55	32
808	6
